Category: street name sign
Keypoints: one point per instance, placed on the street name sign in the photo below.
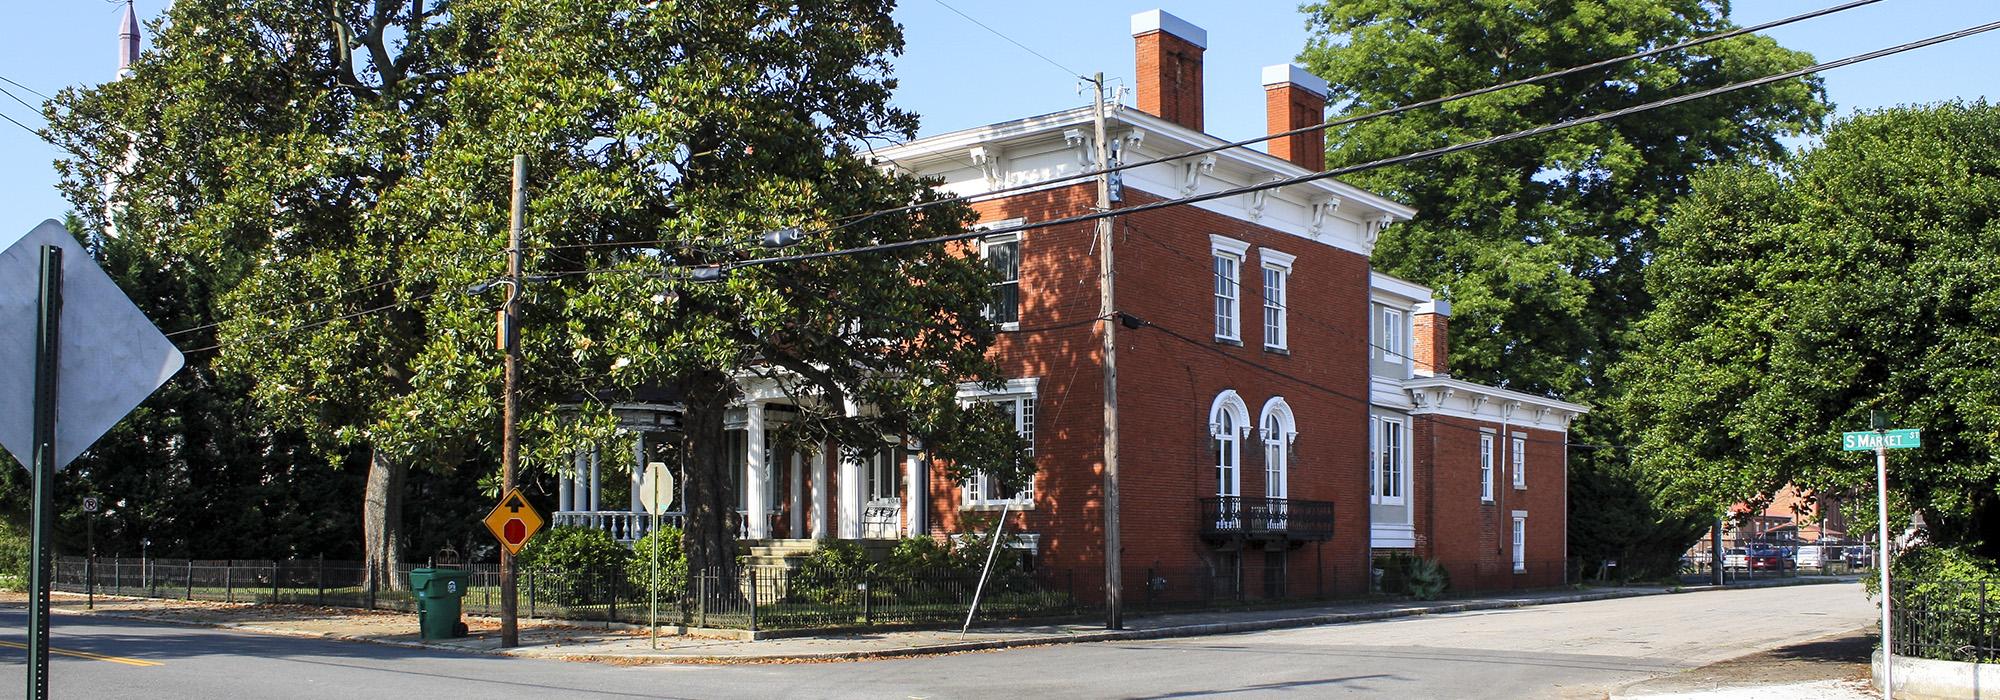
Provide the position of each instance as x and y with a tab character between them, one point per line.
1867	440
513	521
111	356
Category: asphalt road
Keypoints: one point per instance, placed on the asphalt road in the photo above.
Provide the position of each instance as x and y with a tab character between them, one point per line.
1561	651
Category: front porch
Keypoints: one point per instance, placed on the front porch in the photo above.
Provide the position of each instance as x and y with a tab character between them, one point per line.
782	492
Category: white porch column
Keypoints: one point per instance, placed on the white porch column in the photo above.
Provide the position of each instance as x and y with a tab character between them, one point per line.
638	470
596	481
756	477
796	504
850	487
914	480
820	504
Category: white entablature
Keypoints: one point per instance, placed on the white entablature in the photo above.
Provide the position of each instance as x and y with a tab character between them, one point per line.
1040	149
1462	399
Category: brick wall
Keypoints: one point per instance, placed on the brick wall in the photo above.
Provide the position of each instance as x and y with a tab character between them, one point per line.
1456	527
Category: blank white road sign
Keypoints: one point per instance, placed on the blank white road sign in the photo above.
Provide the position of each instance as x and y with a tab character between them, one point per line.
112	356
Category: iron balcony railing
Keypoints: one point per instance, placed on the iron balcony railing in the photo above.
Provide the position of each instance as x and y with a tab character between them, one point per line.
1273	518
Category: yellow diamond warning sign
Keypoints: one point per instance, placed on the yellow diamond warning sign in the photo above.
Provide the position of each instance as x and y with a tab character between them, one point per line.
513	521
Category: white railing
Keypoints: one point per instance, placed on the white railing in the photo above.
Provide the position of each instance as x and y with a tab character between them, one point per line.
624	526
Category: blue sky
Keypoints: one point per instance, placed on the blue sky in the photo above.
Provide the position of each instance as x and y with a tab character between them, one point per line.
958	75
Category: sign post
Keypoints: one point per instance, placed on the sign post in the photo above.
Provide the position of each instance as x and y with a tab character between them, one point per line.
48	335
657	481
1881	440
74	352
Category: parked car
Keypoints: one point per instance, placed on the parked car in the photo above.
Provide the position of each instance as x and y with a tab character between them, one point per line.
1860	555
1811	556
1768	559
1735	558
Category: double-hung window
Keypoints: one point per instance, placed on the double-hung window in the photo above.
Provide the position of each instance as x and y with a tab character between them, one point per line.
1391	335
980	489
1003	254
1486	467
1386	448
1277	284
1520	541
1227	255
1520	461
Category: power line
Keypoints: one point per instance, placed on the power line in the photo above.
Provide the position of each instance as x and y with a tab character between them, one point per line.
1341	121
1383	162
1010	40
1394	160
17	84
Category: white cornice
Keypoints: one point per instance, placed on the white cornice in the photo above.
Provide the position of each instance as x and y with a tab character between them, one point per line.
1462	399
1026	151
1408	293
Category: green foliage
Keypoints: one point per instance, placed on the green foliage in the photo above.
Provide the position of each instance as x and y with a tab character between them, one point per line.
1624	523
330	176
832	574
1427	579
577	563
14	558
1947	595
1419	578
1796	297
1541	244
672	558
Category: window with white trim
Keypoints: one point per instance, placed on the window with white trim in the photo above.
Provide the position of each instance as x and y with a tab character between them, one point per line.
1003	254
1277	284
884	475
981	490
1392	335
1228	424
1486	467
1228	254
1520	542
1278	431
1387	450
1520	461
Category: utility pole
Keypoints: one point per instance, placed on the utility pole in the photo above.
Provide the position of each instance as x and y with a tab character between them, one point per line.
1107	309
510	447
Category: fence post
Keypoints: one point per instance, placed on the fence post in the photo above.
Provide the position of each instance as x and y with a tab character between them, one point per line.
701	595
374	581
229	580
531	592
190	579
117	575
867	599
611	614
753	596
276	571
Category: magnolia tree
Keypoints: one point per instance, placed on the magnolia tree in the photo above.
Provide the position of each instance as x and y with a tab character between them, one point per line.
349	163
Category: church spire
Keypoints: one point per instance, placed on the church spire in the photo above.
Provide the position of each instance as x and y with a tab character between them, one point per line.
128	40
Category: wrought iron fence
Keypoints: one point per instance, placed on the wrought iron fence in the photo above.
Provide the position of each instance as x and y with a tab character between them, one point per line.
1947	620
748	597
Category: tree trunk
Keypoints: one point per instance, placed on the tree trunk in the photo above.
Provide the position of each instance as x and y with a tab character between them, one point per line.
382	522
710	534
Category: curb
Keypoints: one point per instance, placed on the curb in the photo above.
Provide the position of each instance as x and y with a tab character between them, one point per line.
1194	630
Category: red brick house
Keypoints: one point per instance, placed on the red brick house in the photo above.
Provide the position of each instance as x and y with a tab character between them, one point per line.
1286	413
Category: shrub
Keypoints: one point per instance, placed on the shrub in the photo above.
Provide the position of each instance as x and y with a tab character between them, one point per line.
1427	579
574	565
14	557
673	563
830	574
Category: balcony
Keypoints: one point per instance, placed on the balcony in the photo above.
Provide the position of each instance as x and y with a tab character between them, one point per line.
1235	518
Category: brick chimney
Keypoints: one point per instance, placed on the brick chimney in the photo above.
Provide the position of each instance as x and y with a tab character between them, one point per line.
1169	52
1429	349
1294	98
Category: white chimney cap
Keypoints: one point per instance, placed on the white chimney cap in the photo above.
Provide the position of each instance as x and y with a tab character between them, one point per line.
1160	21
1291	73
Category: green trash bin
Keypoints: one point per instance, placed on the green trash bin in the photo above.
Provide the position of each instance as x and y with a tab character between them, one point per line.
438	592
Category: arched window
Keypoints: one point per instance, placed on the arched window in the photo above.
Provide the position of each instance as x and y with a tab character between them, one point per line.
1278	429
1228	425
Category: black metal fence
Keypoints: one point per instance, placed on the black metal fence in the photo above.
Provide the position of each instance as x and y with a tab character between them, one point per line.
1947	620
749	597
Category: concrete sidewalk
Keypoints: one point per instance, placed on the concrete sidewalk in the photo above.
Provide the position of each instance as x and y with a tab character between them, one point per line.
586	642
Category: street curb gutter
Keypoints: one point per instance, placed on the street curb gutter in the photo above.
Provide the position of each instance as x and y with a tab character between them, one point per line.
1198	630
